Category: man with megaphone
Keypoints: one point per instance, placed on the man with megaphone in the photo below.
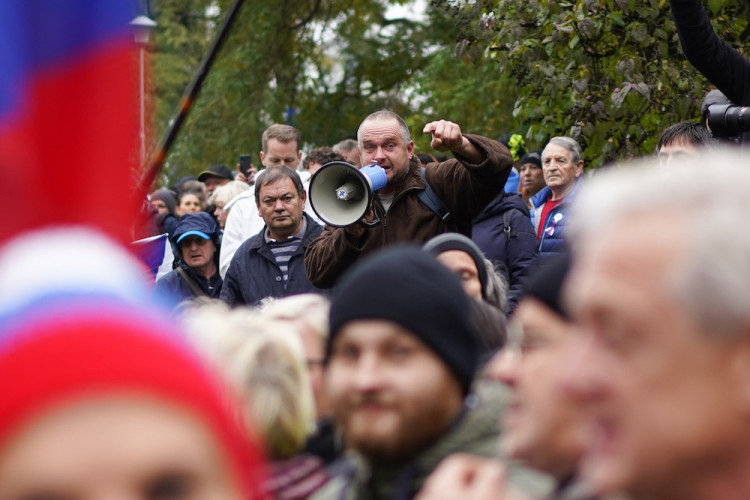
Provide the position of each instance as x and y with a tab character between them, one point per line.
397	213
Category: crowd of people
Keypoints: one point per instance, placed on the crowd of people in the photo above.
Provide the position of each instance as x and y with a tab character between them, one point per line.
499	324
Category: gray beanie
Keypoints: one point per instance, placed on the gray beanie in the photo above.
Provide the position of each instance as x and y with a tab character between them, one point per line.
456	241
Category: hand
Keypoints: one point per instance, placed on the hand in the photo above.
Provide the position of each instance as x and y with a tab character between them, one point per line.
250	178
355	232
239	176
467	477
446	136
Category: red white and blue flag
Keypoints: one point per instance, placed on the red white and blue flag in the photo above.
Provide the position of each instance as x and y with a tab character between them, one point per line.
68	115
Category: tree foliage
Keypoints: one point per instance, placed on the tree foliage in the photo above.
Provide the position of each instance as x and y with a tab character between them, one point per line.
608	72
320	65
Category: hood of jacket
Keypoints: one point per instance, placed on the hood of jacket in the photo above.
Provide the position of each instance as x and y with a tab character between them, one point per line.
501	203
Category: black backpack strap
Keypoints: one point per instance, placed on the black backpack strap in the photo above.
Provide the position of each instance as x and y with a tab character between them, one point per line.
508	231
197	290
432	201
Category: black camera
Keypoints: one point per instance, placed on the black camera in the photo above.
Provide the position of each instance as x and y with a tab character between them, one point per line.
728	120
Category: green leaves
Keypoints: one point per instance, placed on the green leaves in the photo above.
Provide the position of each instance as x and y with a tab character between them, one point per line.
608	72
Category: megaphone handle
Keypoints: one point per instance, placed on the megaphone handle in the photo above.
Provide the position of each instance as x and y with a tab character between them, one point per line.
374	222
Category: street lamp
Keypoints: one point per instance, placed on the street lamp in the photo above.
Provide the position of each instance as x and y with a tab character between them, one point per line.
143	27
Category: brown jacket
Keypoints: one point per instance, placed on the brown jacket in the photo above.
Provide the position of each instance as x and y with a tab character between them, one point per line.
464	187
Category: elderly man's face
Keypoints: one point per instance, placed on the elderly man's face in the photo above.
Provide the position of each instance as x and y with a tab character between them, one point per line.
197	252
381	141
559	171
391	395
542	424
281	207
116	448
662	397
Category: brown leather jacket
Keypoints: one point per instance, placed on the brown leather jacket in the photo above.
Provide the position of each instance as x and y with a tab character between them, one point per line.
464	187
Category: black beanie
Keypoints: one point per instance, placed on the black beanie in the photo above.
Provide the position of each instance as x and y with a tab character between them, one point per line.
456	241
534	157
410	288
545	285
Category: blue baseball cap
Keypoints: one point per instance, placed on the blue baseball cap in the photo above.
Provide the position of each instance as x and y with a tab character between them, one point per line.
193	233
200	224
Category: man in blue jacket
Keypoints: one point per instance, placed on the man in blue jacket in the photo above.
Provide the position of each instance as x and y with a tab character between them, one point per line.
197	275
562	165
271	263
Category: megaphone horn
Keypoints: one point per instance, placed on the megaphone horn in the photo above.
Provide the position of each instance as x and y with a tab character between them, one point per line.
341	194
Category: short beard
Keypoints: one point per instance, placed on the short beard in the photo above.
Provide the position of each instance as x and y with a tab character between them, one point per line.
399	178
407	441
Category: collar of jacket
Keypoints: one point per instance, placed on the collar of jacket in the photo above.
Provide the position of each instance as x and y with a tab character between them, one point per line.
542	196
259	239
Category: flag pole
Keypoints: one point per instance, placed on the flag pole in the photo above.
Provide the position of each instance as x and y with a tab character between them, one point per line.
186	102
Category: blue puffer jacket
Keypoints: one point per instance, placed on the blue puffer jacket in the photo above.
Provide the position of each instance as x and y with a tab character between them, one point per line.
254	275
519	253
174	289
553	229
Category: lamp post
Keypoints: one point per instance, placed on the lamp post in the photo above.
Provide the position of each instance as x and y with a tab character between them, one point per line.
143	27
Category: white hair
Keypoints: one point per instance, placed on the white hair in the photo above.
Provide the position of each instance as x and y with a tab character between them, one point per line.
308	308
263	359
709	193
224	194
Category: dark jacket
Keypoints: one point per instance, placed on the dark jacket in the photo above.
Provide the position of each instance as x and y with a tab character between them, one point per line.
254	275
552	229
723	66
465	189
476	432
173	286
517	249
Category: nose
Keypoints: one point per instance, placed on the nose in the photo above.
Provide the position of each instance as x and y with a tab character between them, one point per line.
367	374
588	372
278	206
504	367
379	154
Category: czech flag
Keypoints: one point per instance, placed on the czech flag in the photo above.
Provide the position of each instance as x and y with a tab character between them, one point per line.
68	115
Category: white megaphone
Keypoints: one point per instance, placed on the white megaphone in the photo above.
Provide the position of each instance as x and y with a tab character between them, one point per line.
341	193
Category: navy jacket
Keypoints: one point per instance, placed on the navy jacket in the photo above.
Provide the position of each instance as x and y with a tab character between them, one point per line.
516	250
254	275
553	228
174	288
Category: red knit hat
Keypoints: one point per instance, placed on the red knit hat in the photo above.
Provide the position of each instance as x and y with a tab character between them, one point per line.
66	349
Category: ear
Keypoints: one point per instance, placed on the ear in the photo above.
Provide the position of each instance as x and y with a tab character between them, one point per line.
303	197
262	157
579	168
410	149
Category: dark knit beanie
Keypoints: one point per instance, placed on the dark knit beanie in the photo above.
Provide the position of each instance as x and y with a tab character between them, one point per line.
534	157
167	196
456	241
545	285
409	287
